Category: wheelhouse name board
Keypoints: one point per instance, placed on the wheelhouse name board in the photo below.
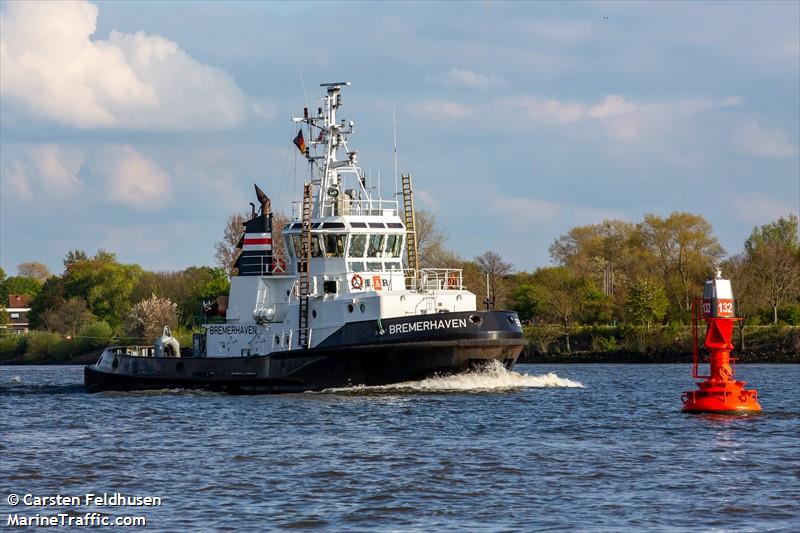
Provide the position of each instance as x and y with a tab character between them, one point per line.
427	325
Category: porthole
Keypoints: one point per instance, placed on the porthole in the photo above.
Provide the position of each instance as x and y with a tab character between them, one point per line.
179	366
476	319
458	298
350	308
313	313
362	307
278	340
402	297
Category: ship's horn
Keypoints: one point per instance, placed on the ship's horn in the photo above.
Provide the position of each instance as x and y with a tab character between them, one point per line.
263	199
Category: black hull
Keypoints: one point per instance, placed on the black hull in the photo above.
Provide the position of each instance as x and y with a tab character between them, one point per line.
304	370
358	354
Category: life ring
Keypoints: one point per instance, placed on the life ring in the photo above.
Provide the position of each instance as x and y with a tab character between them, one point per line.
452	280
356	281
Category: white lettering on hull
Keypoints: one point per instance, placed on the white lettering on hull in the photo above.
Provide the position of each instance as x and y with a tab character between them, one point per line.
427	325
233	329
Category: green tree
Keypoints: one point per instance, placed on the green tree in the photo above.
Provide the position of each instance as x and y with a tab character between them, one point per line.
74	256
773	256
51	296
647	304
747	290
685	250
105	284
188	289
19	285
218	285
69	317
527	297
609	254
560	296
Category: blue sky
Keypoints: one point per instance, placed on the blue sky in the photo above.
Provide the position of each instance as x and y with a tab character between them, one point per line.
139	127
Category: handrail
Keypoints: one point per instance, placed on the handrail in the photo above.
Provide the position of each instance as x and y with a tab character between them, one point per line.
357	208
697	315
432	279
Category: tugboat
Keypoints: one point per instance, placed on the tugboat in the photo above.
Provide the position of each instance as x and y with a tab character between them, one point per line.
341	309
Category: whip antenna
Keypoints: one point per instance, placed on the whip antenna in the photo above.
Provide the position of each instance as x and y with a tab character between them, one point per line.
394	127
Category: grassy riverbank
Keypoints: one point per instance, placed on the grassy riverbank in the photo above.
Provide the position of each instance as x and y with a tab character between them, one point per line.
42	347
666	344
547	344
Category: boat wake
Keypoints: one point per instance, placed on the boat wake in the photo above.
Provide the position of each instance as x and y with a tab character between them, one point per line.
494	377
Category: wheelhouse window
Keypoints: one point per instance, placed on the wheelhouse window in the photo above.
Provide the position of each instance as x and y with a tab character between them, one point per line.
317	249
356	266
334	245
375	248
296	245
374	266
358	243
287	241
394	244
393	266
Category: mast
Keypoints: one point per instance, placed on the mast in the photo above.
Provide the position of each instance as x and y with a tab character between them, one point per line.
336	160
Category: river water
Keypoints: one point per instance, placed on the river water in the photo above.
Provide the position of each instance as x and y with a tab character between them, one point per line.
587	447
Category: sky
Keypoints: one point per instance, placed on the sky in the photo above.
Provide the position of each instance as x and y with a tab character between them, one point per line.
140	127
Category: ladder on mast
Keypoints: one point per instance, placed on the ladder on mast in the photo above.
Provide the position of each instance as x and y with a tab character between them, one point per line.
411	229
302	268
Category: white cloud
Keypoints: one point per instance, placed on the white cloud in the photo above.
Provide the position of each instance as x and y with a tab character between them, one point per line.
18	180
528	211
446	109
132	179
525	210
459	77
548	111
263	108
44	169
756	208
755	140
612	105
53	67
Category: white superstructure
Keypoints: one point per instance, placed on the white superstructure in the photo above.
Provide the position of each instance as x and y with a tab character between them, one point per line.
345	259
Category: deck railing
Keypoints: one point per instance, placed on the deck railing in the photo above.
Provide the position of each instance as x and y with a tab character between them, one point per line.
434	279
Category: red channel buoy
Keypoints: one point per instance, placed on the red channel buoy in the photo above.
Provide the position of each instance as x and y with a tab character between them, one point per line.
720	392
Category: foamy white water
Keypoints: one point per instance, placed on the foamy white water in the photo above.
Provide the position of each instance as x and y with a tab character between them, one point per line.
493	377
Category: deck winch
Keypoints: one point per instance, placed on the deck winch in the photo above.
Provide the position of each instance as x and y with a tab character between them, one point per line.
720	392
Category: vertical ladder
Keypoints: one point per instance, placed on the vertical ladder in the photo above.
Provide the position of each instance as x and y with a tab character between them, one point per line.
302	268
411	229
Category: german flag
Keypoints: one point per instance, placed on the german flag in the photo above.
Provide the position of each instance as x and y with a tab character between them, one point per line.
300	142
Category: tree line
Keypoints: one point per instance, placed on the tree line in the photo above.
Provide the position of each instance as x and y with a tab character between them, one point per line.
99	296
643	275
